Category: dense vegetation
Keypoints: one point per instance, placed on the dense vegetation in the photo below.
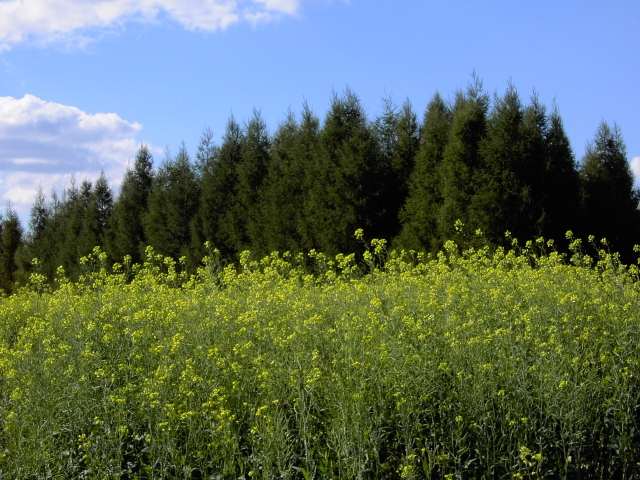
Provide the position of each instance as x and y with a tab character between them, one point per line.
496	165
487	363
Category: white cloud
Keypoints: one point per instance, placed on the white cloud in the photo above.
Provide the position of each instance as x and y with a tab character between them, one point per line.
635	169
54	20
45	144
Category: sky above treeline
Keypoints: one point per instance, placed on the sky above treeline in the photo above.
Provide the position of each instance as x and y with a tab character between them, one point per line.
83	83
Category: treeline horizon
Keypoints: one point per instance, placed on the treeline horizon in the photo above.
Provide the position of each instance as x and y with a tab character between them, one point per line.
495	164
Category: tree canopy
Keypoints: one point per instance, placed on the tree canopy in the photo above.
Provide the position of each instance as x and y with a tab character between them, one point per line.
495	164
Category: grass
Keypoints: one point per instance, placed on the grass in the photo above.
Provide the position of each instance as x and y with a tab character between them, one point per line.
477	364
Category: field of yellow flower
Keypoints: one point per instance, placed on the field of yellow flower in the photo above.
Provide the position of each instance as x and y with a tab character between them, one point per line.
481	364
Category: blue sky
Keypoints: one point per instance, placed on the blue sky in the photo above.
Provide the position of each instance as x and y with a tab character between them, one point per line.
82	83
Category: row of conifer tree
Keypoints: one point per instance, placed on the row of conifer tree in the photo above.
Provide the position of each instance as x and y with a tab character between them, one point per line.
496	164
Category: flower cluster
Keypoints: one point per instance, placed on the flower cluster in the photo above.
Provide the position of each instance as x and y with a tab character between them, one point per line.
395	365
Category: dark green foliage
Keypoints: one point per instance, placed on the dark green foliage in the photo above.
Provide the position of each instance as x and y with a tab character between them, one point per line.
50	245
206	153
561	193
73	210
38	243
205	156
307	156
348	184
531	171
461	160
397	133
173	201
102	206
219	184
40	217
283	193
97	206
127	232
251	173
405	148
508	167
10	239
497	203
609	201
420	213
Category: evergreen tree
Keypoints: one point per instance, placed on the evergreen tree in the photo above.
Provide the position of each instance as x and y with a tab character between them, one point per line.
172	203
497	203
283	192
531	171
39	227
38	243
103	206
72	212
219	184
206	153
10	241
86	233
251	174
561	198
311	187
97	208
420	212
385	129
609	201
405	151
398	141
127	231
205	158
307	159
40	216
349	181
460	160
56	245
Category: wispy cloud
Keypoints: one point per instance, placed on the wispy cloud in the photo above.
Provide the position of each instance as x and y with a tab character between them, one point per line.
45	144
45	21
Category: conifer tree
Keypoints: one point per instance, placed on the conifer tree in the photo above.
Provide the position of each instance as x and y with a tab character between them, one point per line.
40	216
420	212
53	238
311	187
39	242
172	203
205	161
349	180
88	234
103	205
206	153
531	171
405	151
561	198
10	241
497	205
97	213
126	229
73	209
460	161
219	184
397	134
609	201
251	174
385	129
283	192
307	159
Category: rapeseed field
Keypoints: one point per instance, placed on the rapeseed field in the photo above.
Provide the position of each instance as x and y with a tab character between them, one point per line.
508	363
